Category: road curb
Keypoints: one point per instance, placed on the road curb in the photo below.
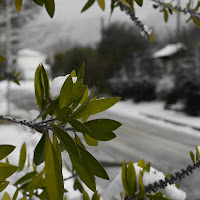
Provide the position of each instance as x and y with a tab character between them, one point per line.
170	121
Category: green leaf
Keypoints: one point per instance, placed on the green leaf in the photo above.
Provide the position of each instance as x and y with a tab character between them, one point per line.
2	58
154	197
78	141
170	11
83	172
52	107
141	163
45	83
6	196
85	195
63	114
192	156
93	165
139	2
3	185
167	175
165	15
39	152
26	178
75	104
101	4
57	149
197	154
96	196
141	194
39	2
6	170
18	5
95	107
155	6
66	92
15	194
124	172
81	72
22	158
82	93
196	21
73	73
85	102
41	87
90	141
141	181
88	5
131	179
36	182
85	96
77	185
78	126
176	11
66	140
101	129
77	86
39	90
125	3
147	167
53	173
5	150
50	7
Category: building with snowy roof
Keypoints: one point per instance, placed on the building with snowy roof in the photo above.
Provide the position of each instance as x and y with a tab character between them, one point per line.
170	50
27	61
168	54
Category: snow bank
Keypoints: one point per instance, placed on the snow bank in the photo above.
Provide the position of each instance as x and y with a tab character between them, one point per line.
116	187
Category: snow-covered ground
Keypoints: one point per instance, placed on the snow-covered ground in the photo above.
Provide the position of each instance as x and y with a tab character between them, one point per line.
154	113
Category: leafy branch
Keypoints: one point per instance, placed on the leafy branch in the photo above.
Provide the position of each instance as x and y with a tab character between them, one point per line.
66	106
179	9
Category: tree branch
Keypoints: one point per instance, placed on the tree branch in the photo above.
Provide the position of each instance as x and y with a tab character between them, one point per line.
178	8
135	19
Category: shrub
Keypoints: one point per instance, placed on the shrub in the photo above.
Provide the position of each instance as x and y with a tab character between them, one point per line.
192	97
138	89
142	89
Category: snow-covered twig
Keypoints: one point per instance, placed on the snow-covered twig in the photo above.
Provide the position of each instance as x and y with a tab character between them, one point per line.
41	113
74	175
43	125
178	8
135	19
27	123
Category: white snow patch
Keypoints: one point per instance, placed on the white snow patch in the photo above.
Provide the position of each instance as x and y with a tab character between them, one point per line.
169	50
116	187
57	84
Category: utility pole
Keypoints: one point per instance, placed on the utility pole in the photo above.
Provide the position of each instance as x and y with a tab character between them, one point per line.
8	50
178	25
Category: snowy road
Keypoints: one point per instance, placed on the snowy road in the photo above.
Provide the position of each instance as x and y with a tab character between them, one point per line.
167	150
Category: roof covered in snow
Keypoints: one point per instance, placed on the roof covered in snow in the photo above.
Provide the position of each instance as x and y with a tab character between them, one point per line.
170	50
29	52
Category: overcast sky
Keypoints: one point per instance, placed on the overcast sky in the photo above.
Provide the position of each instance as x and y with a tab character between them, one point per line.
84	28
